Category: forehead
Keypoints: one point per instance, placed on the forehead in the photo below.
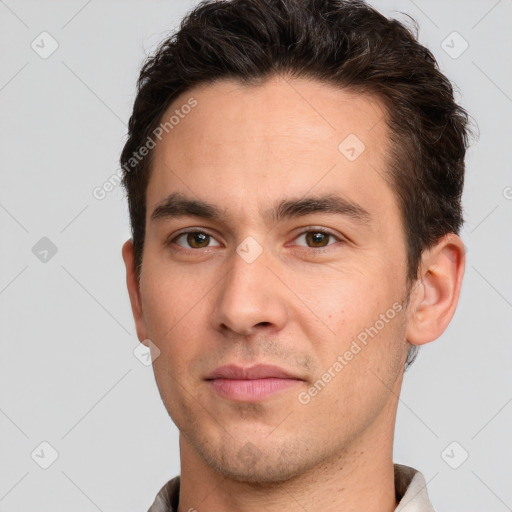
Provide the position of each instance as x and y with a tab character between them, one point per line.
285	136
228	111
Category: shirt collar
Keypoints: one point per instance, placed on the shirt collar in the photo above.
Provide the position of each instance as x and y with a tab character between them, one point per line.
410	489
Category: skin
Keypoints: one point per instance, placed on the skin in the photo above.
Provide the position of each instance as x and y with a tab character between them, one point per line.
297	305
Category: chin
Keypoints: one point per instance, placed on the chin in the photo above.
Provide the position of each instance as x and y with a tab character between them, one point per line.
257	465
264	474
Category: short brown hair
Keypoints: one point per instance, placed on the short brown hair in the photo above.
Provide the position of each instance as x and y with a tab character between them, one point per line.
345	43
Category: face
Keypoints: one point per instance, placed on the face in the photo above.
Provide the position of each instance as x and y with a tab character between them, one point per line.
273	286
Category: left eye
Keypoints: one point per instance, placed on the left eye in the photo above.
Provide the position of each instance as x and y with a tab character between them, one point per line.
317	238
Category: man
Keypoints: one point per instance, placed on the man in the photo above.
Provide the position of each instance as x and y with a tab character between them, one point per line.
294	171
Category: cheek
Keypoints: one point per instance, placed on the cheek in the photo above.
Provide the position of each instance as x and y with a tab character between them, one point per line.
343	303
168	297
172	322
352	317
357	371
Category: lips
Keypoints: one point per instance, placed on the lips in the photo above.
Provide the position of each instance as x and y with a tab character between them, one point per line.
255	383
260	371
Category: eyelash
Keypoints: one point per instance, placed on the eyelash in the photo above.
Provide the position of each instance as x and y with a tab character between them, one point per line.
304	232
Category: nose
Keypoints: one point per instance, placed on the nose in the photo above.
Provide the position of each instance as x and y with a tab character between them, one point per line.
250	297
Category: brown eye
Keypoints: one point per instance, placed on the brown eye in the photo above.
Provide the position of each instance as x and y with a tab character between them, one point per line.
194	240
198	240
317	239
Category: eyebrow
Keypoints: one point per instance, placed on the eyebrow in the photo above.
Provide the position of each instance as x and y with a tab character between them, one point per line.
178	205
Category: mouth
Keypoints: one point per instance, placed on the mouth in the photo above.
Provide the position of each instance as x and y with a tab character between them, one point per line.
253	383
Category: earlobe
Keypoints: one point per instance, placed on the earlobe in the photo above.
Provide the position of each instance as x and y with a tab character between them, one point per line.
435	296
134	291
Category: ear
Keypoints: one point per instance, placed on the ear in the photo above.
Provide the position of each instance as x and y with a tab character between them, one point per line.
134	292
435	295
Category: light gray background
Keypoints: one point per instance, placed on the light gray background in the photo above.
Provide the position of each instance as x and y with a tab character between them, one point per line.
68	374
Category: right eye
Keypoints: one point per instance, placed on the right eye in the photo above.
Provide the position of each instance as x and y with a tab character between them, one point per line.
194	239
